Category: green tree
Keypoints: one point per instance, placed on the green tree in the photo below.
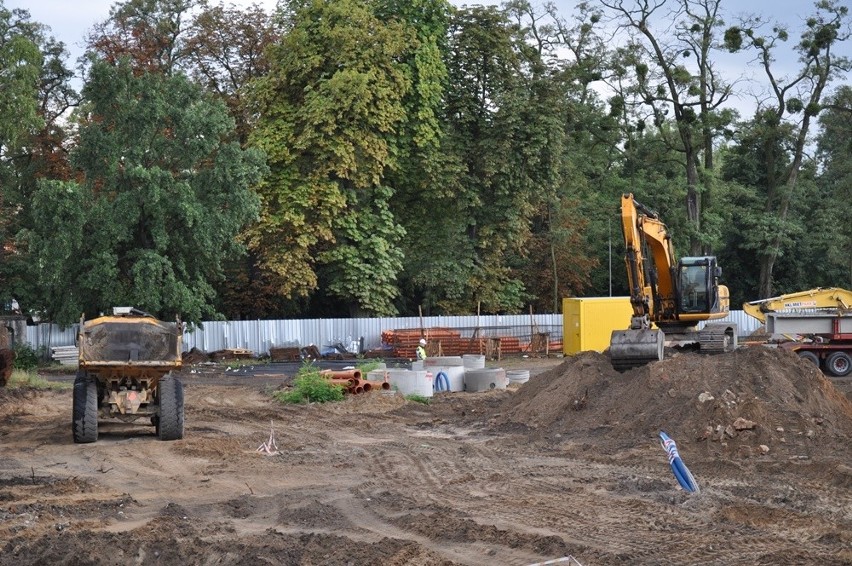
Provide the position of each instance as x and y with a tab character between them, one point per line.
160	200
674	72
794	104
421	163
486	206
147	32
833	226
33	135
328	112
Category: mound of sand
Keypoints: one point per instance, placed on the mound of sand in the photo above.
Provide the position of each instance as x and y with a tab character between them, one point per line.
752	401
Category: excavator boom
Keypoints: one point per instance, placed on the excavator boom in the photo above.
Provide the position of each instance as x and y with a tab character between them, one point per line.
820	298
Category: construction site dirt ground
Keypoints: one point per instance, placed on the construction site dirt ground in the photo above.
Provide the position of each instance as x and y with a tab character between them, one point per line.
568	464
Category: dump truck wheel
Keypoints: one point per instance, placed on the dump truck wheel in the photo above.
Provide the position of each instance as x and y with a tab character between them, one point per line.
85	411
810	357
839	364
170	423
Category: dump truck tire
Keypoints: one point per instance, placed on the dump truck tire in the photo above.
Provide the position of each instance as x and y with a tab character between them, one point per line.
810	357
839	364
85	410
170	423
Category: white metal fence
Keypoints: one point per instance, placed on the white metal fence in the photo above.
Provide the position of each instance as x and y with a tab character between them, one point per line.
260	335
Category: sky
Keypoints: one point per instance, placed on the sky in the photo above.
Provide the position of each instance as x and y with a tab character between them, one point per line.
69	21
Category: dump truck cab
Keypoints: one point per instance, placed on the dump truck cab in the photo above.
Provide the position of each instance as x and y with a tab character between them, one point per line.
126	365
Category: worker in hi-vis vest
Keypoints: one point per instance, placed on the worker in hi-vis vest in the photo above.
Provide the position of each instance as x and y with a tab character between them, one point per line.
421	349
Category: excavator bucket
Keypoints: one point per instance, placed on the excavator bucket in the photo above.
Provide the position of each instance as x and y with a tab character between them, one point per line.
633	348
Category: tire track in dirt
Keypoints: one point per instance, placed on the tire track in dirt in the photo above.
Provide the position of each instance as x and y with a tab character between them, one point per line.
473	554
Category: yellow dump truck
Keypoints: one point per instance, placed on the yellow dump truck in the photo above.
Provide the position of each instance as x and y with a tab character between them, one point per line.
126	366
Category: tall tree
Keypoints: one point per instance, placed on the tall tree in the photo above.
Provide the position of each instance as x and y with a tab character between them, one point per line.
160	200
148	32
675	73
835	152
33	133
224	49
329	110
421	164
560	113
793	102
492	134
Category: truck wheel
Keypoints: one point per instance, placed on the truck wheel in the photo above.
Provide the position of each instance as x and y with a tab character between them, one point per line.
170	423
839	364
84	423
809	356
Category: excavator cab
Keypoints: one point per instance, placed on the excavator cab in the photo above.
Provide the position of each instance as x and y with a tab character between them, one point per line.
697	284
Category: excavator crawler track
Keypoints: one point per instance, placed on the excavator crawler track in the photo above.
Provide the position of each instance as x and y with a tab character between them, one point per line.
717	338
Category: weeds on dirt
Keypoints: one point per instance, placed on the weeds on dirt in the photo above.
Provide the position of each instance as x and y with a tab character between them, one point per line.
367	367
418	398
31	380
310	386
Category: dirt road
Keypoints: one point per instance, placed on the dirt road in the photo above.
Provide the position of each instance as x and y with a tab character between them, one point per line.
567	465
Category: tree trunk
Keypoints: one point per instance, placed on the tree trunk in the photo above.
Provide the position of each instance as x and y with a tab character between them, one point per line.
767	263
693	200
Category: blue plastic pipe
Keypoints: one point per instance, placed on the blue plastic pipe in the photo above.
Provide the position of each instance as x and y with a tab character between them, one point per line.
442	382
679	469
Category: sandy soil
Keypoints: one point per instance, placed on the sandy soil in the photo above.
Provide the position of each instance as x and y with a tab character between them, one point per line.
569	464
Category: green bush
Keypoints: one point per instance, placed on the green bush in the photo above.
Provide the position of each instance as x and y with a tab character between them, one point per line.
25	357
310	387
418	398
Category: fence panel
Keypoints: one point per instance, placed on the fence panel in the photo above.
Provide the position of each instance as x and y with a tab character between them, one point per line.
260	335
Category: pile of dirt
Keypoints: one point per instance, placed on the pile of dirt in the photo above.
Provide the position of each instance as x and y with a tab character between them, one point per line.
753	401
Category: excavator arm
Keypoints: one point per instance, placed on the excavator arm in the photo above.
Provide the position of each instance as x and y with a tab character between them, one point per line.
651	279
820	298
649	258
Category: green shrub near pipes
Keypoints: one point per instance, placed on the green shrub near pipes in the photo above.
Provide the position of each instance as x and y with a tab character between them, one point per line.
310	387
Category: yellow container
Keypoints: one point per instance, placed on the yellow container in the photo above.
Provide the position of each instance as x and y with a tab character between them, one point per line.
588	322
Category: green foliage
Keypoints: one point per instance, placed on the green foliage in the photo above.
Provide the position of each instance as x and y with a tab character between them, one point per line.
310	386
330	108
27	358
416	398
20	61
367	366
159	206
28	379
419	154
362	267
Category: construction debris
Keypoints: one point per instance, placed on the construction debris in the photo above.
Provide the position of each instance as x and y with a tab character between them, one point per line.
231	354
195	356
65	355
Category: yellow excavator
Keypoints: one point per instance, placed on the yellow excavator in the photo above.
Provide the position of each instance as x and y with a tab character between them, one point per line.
669	298
831	299
815	324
